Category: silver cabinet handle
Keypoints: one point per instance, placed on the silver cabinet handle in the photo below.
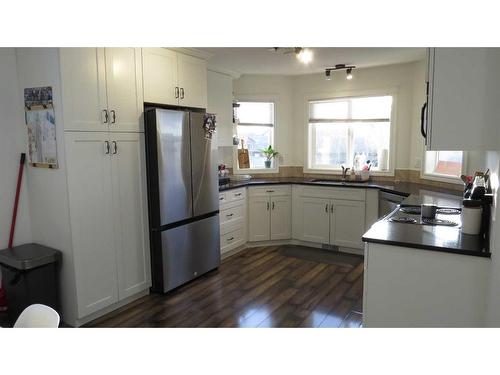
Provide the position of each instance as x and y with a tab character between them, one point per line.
113	116
182	93
229	215
221	198
326	208
273	206
106	147
115	148
230	239
176	92
237	195
268	206
106	116
331	208
269	191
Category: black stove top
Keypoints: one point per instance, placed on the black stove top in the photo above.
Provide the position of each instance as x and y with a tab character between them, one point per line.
444	217
415	210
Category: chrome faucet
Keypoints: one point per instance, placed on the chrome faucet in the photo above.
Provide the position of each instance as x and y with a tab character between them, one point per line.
344	173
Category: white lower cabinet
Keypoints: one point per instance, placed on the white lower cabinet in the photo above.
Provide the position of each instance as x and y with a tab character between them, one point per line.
106	198
269	215
233	219
321	219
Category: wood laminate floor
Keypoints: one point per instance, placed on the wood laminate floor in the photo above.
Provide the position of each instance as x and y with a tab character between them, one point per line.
259	287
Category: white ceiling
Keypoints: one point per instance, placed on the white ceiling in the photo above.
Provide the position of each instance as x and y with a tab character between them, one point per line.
238	61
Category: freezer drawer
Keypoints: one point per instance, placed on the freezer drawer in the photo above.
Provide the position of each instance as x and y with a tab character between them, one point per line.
190	251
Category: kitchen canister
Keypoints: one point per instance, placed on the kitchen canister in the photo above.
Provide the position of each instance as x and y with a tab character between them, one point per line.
472	212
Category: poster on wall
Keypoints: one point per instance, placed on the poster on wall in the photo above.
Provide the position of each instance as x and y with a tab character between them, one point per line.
41	124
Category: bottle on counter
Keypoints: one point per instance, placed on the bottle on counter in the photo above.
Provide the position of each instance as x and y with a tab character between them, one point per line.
471	216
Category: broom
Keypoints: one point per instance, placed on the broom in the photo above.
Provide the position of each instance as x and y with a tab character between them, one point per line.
3	300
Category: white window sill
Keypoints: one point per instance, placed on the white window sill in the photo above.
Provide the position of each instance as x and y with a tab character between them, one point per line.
389	173
256	171
441	178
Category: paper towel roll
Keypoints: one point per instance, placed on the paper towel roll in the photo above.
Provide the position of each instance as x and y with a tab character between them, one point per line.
383	158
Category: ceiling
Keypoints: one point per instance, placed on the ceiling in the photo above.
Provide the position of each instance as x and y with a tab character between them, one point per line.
238	61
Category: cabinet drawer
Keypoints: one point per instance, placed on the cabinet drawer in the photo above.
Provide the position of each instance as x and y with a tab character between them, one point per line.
232	240
270	190
222	198
231	214
235	195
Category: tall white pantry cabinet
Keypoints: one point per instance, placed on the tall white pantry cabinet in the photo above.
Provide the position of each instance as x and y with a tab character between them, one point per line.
94	206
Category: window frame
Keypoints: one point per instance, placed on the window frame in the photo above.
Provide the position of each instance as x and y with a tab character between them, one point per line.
259	99
393	92
441	177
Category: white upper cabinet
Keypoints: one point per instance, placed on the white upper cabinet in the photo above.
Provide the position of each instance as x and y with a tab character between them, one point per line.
101	89
124	88
462	106
220	102
84	89
174	78
160	76
192	74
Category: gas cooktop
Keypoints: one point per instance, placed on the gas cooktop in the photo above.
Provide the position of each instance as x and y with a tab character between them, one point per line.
444	217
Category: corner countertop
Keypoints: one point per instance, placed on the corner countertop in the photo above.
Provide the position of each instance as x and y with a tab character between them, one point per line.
415	194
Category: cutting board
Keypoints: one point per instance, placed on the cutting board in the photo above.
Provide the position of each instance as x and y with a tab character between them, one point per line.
243	158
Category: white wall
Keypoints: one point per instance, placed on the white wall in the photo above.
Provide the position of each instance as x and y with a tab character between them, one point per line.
280	89
13	137
407	80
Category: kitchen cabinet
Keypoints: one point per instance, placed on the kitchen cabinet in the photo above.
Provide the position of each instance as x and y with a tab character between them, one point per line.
462	111
323	215
233	219
220	102
106	205
407	287
101	89
269	213
174	78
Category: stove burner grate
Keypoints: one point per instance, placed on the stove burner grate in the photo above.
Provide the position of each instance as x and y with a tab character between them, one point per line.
439	222
448	211
407	220
411	210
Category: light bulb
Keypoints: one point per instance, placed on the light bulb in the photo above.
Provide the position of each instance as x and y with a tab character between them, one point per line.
349	73
305	56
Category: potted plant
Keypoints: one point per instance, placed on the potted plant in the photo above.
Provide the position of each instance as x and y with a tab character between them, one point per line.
270	154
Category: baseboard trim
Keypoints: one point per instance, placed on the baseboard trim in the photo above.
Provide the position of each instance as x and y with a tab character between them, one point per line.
342	249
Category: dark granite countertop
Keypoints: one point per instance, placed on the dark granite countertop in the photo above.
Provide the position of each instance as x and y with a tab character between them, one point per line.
427	237
416	193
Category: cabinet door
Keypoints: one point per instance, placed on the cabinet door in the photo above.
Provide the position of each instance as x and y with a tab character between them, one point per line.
259	224
83	82
312	219
129	219
347	223
124	88
192	81
220	101
159	66
90	199
464	86
281	218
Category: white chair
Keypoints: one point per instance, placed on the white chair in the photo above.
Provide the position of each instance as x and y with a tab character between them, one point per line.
38	316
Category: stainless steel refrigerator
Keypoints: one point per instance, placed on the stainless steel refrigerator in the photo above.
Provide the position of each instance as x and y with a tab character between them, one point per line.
181	156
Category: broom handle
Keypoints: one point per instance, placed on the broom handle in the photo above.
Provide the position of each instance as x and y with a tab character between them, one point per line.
16	201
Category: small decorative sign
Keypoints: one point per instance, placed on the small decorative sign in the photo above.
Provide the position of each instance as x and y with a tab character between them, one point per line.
209	124
41	124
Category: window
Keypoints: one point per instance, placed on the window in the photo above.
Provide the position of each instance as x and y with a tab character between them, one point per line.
342	130
444	164
256	128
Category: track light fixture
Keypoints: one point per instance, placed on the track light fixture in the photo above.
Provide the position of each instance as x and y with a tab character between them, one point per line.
347	68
